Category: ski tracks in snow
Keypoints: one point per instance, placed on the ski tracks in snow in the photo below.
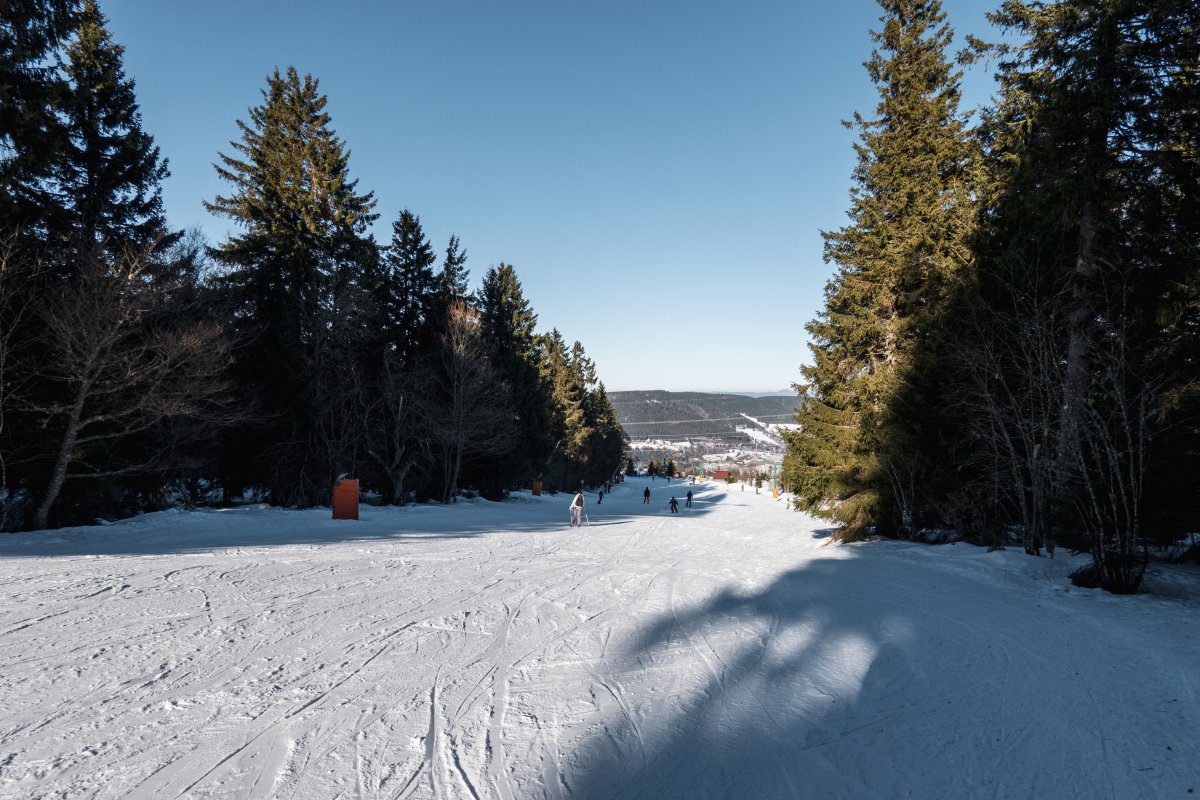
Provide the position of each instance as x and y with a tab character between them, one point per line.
719	651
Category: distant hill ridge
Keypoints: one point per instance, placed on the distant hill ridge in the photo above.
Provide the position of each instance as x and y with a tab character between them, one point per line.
658	414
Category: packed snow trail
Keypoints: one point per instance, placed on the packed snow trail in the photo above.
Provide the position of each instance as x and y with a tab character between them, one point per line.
485	650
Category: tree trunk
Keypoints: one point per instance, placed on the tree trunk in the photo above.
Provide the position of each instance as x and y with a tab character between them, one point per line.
66	453
1078	362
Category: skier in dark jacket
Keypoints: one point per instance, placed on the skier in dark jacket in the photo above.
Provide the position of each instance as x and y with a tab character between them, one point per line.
689	498
674	506
646	496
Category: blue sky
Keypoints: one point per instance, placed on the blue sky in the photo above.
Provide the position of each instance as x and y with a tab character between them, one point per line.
657	172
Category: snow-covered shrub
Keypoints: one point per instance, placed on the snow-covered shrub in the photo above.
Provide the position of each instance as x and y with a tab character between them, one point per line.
1088	576
937	536
15	508
1186	550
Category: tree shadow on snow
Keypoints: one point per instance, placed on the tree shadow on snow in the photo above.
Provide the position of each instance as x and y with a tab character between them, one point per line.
818	686
855	676
766	718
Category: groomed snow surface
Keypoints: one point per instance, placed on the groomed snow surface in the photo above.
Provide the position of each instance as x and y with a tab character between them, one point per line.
485	650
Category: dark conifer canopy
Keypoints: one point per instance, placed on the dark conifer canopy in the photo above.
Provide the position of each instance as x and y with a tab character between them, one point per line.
110	173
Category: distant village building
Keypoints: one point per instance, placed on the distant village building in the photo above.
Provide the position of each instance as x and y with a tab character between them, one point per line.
720	474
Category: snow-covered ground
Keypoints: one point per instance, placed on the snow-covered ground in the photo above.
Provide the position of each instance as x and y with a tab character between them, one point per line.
487	651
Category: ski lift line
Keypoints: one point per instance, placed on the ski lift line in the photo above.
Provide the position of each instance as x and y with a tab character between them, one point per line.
548	460
701	438
708	419
687	437
679	435
644	445
699	441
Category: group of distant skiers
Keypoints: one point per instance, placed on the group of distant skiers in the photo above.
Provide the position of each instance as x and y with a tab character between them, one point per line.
578	516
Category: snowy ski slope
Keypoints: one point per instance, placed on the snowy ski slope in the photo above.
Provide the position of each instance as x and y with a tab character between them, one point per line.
486	651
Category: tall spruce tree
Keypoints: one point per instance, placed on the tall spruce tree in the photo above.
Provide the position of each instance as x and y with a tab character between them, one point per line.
401	339
109	174
291	277
32	136
563	375
31	131
591	440
413	296
508	325
609	443
452	281
1094	215
860	456
450	287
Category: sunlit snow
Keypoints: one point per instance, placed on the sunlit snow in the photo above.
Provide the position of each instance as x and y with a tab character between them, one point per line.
485	650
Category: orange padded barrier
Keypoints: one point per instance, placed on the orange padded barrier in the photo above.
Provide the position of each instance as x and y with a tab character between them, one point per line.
345	499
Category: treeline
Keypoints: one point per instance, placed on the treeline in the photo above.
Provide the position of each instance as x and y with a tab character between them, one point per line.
1009	346
139	365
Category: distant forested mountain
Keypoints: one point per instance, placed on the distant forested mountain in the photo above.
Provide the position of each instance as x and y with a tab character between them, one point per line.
679	415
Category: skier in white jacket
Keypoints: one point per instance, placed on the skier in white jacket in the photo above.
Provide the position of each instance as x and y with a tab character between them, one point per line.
577	509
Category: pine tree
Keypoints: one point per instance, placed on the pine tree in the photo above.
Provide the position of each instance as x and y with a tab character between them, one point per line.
562	372
609	442
450	287
292	277
857	457
411	298
453	279
602	438
592	442
505	314
508	325
31	137
31	131
109	175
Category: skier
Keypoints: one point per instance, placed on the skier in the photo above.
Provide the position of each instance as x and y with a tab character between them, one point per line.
674	506
577	509
646	496
600	497
689	498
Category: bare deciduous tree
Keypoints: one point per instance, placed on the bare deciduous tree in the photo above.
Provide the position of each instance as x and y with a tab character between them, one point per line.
470	418
123	368
1091	471
17	274
395	429
1129	405
1011	400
